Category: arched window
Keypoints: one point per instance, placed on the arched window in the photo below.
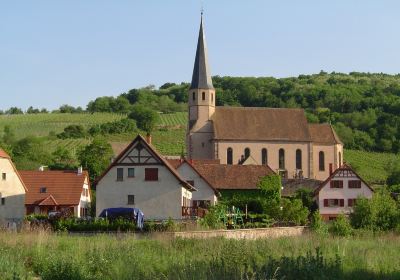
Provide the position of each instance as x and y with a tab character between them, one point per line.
194	96
340	159
229	156
321	161
281	159
212	97
246	153
264	157
203	95
298	159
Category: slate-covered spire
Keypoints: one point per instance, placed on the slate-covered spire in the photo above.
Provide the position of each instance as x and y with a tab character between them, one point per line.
201	78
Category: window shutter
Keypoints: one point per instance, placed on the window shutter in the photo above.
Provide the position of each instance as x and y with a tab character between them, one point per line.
151	174
341	202
325	202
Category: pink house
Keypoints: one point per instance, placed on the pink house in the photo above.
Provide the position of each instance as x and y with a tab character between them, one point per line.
338	193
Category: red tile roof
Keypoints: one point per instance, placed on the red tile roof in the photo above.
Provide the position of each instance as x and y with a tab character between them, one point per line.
62	187
233	177
3	154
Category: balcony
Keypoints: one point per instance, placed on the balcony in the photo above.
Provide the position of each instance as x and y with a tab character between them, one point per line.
193	212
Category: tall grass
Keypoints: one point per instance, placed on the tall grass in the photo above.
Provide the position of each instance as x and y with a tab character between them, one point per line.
51	256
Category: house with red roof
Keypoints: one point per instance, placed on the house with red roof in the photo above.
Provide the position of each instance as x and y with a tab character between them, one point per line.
12	193
51	190
340	191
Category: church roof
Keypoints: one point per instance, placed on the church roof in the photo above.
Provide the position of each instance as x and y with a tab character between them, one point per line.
323	133
260	124
201	78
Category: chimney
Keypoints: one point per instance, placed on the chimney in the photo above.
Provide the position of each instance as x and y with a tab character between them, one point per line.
148	138
330	169
80	170
42	167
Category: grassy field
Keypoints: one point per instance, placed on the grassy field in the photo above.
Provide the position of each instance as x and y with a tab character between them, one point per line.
50	256
169	138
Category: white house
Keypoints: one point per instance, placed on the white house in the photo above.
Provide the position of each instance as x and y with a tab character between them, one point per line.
12	193
205	194
338	193
141	178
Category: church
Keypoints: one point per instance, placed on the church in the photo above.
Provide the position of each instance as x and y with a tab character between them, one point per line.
281	138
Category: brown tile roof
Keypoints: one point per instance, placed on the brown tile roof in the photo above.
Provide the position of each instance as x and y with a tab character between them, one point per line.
233	177
250	123
155	153
3	154
177	162
64	187
323	134
290	186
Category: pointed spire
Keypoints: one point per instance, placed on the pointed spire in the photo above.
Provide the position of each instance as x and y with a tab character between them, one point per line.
201	72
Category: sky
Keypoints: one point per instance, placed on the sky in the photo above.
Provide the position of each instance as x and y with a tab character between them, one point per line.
72	51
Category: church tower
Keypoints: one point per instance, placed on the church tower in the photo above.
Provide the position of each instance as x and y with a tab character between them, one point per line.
201	104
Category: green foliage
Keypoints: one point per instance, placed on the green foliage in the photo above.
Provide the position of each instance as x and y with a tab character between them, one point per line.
73	131
271	187
341	226
307	197
109	104
317	224
68	109
62	158
31	153
380	213
116	127
96	157
14	111
212	219
145	118
294	212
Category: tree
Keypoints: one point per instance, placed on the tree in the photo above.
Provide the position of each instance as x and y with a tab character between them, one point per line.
14	111
9	135
96	156
145	118
32	110
271	187
67	109
62	158
73	131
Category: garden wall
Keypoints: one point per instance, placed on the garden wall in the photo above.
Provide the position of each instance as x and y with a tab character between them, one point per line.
243	233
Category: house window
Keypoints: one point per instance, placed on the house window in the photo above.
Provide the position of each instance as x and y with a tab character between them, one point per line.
194	96
281	159
191	182
333	202
43	190
298	159
151	174
354	184
246	153
203	95
4	176
264	157
351	202
337	184
201	203
131	172
229	156
131	199
321	161
120	174
3	201
340	159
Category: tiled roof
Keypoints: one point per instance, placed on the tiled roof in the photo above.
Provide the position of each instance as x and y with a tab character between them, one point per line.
323	134
290	186
261	124
3	154
233	177
177	162
65	187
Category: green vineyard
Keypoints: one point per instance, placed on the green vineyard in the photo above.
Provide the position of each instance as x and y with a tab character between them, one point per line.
175	119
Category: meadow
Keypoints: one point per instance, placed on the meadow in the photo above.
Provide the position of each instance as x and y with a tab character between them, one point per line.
168	138
51	256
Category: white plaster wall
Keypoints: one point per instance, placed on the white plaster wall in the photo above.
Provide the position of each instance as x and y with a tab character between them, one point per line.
345	193
204	191
13	191
157	199
273	153
84	201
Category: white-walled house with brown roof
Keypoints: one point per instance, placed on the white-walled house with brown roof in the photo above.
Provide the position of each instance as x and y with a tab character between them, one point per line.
339	192
141	178
57	190
12	193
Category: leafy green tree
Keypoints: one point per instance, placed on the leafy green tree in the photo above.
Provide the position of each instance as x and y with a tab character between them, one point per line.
293	211
271	187
62	158
8	135
341	226
96	157
307	198
73	131
14	111
145	118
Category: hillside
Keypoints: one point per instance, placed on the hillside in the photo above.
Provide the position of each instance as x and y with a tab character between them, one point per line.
169	138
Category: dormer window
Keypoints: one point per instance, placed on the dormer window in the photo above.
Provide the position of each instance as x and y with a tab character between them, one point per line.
43	190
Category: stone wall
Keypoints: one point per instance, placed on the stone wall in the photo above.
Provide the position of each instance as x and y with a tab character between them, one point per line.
258	233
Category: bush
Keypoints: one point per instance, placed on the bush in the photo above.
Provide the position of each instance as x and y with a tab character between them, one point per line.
72	131
145	118
117	127
317	224
341	226
293	211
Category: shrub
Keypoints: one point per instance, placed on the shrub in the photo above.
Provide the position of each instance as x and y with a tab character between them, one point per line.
271	187
341	226
317	224
293	211
72	131
212	219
